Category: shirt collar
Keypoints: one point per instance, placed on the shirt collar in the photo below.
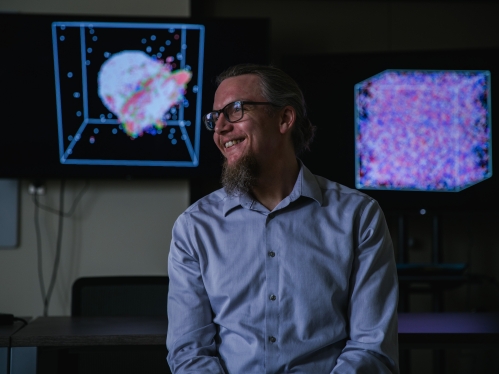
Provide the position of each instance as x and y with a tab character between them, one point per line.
309	185
306	185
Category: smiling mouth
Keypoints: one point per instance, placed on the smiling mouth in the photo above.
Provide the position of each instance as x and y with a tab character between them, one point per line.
232	143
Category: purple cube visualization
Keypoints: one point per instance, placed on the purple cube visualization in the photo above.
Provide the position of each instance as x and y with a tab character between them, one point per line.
423	130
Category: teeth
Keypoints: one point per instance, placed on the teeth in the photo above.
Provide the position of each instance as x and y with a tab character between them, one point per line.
231	143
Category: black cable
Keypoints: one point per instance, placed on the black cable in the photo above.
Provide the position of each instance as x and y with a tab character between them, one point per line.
70	212
46	296
57	251
39	249
21	320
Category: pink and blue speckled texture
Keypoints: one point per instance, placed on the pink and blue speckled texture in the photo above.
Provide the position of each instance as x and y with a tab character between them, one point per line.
423	130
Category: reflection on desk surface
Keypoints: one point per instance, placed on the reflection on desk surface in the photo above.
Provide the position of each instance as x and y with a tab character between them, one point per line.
82	331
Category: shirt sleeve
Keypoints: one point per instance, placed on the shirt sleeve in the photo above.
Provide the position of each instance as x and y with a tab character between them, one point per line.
191	331
372	345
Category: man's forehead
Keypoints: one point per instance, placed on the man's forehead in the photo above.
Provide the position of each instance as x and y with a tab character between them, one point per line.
241	87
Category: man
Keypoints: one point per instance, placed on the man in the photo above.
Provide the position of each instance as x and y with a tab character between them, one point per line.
281	271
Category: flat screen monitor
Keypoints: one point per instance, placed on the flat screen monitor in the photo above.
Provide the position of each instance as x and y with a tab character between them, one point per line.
94	96
411	129
423	130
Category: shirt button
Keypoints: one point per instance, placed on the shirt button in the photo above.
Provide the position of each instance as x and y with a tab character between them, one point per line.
272	339
272	297
272	254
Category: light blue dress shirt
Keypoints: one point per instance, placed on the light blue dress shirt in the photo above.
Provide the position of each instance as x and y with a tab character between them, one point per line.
309	287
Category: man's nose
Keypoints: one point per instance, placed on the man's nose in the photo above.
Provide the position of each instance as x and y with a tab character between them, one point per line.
222	125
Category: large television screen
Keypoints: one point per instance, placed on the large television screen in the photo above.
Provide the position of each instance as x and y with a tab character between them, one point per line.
93	96
411	129
421	130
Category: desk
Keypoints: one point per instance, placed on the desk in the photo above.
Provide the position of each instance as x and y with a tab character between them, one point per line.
5	333
97	332
416	331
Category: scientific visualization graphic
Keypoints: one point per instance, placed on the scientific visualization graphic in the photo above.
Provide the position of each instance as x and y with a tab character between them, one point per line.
139	90
128	93
423	130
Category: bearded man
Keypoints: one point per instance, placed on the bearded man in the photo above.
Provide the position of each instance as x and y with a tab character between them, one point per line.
280	271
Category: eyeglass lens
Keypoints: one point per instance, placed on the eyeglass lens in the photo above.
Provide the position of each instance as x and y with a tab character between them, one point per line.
233	112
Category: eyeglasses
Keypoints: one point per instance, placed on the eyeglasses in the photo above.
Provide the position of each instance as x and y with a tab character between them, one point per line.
233	112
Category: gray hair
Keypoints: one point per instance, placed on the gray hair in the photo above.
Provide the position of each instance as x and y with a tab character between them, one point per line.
280	89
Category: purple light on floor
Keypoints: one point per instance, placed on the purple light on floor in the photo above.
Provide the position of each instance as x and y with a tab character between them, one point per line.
448	323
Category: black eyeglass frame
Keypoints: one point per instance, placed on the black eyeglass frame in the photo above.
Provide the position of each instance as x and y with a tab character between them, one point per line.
207	121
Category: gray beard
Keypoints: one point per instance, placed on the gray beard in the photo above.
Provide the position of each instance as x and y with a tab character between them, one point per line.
238	179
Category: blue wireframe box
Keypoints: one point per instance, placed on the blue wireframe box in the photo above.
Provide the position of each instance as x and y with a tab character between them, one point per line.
128	93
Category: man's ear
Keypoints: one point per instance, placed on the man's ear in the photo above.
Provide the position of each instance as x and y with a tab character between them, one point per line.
287	117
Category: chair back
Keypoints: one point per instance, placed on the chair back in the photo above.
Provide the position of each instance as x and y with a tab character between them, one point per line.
115	296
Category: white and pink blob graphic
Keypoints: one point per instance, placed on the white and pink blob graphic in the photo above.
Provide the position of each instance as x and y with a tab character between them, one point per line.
139	90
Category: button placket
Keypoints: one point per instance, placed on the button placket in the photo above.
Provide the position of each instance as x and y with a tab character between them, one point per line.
272	286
